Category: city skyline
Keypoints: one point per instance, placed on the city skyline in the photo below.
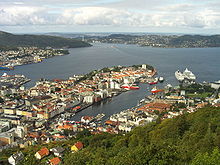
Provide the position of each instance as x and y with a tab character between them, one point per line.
168	16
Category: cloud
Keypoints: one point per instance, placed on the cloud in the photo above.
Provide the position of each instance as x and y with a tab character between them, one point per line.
22	15
177	8
203	19
117	17
94	16
18	3
187	15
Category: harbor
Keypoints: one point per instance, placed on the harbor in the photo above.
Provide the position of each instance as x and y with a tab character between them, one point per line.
51	104
55	94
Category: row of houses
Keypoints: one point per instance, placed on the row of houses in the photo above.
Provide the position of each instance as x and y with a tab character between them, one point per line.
44	152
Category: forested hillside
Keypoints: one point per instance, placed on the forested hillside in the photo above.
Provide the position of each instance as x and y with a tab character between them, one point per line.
11	40
188	139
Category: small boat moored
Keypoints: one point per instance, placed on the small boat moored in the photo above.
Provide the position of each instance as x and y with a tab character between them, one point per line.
156	90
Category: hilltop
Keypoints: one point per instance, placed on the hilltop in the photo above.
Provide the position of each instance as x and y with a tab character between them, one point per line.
187	139
12	40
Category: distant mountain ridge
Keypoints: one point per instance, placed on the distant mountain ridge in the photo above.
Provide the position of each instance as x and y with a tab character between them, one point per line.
193	40
13	40
164	41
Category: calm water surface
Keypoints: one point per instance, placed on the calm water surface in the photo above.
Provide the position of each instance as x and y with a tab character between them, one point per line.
204	62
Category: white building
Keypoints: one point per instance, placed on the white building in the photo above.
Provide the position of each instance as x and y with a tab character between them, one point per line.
114	85
125	127
16	158
88	99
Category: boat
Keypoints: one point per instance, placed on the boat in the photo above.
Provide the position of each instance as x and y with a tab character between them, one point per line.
156	90
5	75
189	75
161	79
179	76
153	82
186	75
130	86
76	109
99	116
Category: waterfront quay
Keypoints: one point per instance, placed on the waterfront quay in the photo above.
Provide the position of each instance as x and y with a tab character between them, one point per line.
41	114
10	82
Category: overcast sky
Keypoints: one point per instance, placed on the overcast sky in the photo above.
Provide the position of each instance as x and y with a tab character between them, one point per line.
162	16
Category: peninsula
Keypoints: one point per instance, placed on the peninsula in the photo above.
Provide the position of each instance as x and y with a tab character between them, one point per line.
8	40
27	49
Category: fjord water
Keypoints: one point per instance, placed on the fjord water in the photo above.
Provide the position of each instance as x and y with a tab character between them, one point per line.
203	62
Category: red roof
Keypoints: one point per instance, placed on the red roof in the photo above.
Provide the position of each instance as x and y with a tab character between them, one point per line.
217	105
79	145
110	122
55	161
87	117
43	152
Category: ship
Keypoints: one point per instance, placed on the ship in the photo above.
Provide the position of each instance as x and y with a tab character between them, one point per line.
130	86
179	76
189	75
186	75
154	81
156	90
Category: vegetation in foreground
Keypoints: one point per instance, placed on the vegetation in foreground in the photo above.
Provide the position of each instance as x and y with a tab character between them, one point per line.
188	139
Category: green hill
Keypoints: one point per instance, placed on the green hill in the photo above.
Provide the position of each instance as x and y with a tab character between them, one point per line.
188	139
12	40
195	41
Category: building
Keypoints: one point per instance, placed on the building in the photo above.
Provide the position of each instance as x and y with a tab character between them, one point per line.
144	66
58	151
42	153
87	119
125	127
89	99
9	111
6	138
77	146
55	161
4	125
15	158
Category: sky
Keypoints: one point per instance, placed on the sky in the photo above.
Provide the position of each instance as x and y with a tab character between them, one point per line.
150	16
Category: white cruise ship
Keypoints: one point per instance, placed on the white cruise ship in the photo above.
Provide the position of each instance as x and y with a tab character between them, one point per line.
179	75
189	75
186	75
